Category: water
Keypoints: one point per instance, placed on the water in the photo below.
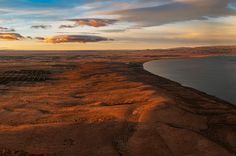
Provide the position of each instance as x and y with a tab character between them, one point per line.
213	75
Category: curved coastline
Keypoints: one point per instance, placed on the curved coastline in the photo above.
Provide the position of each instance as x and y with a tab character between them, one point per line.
149	67
202	93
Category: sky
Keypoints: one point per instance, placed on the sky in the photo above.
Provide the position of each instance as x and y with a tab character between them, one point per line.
115	24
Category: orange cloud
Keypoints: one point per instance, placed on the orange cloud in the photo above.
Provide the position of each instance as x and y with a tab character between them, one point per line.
74	38
10	36
93	22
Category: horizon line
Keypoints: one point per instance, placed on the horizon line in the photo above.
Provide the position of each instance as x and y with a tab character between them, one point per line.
204	46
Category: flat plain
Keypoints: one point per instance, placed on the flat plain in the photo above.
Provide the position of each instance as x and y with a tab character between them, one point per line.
88	103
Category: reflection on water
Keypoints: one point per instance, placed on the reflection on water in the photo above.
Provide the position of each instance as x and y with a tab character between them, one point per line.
213	75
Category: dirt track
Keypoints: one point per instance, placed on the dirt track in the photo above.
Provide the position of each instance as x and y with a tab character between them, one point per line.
106	104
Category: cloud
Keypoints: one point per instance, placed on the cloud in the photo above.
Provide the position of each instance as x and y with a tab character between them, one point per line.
177	11
29	37
67	26
41	26
4	29
117	19
114	30
40	38
10	36
74	38
92	22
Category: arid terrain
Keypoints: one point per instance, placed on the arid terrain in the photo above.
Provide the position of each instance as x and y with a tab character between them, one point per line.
103	103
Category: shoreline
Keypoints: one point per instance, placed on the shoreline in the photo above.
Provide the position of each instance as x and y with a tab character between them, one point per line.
202	93
192	88
107	104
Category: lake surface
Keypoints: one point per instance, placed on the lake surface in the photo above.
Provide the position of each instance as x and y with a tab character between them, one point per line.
214	75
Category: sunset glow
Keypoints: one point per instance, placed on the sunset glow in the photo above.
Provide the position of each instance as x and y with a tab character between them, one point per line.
115	24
